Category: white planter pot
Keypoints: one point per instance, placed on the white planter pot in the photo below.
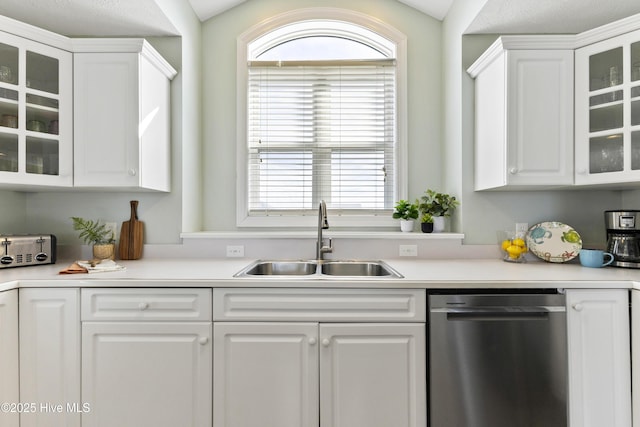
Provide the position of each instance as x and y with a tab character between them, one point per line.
439	224
406	225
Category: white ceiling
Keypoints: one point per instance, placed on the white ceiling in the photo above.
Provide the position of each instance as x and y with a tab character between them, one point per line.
145	17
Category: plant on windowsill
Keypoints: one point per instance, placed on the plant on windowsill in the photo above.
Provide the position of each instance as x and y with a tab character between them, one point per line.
440	206
426	222
407	213
98	235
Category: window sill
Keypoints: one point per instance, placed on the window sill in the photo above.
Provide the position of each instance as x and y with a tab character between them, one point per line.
381	235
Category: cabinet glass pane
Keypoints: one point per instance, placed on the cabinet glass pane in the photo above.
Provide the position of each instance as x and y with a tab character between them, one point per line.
605	118
42	156
635	61
635	150
605	69
606	154
8	152
8	108
635	112
8	64
42	114
42	72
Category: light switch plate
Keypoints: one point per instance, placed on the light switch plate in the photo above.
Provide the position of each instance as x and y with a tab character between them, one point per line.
236	251
408	250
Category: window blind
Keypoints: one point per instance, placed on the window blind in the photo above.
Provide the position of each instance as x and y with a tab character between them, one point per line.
321	131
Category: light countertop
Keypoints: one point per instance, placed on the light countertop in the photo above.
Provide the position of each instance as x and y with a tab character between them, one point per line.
430	274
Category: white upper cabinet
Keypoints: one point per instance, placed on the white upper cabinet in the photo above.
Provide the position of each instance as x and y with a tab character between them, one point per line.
121	115
36	128
607	111
524	113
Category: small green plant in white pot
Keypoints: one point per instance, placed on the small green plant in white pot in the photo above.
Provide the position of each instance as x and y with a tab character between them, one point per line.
407	213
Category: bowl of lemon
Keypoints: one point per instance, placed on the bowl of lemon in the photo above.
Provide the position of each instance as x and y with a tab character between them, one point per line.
513	246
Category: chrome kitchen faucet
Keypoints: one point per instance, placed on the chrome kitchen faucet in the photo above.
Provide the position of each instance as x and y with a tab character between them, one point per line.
323	224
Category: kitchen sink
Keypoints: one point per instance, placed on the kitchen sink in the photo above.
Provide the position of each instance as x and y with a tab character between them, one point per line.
280	268
318	269
358	268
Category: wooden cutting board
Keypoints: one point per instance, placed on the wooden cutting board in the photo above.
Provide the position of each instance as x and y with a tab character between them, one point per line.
131	235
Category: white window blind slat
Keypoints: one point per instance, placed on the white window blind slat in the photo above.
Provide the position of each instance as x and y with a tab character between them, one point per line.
321	132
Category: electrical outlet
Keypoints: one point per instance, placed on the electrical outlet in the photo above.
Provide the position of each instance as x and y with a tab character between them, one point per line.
408	250
112	227
522	228
235	251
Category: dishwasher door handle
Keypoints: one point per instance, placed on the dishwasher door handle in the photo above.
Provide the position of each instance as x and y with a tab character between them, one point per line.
498	314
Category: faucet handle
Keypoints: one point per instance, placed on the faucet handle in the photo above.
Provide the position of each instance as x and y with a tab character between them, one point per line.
328	248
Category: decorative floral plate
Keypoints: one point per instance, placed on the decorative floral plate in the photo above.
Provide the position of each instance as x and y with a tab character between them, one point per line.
554	241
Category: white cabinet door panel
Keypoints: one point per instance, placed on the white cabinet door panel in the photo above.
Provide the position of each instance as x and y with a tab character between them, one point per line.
146	374
266	375
372	375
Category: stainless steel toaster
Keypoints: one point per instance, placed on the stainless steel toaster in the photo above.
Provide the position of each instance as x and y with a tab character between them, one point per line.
26	250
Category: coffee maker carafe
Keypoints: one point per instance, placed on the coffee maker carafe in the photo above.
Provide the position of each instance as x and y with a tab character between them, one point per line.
623	237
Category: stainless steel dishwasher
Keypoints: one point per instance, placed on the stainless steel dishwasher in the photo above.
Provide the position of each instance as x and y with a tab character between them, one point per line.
498	360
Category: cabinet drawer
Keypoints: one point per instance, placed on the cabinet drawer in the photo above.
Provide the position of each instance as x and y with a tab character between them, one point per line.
342	305
146	304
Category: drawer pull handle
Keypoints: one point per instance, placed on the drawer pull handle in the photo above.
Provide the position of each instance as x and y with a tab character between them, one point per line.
143	305
203	340
312	341
577	307
326	342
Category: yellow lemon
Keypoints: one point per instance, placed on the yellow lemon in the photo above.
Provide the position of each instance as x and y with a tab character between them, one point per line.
519	242
514	251
505	244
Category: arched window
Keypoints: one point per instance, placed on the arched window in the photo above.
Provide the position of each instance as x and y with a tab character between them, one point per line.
321	122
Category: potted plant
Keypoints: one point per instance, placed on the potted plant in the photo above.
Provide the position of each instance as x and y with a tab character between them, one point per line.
98	235
407	213
439	205
426	222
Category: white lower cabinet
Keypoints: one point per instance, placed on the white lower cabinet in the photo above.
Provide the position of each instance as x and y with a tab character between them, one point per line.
635	355
265	374
372	375
599	358
146	374
9	377
274	366
138	372
288	374
49	357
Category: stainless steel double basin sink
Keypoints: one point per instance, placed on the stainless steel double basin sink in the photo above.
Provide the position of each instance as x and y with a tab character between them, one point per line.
319	269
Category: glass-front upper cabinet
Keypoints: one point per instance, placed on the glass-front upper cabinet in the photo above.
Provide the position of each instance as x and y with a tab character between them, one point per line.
35	113
607	111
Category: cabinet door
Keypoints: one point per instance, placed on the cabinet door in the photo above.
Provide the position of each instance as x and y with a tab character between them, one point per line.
146	374
523	117
607	111
50	355
373	375
599	358
106	119
9	379
266	374
35	113
540	117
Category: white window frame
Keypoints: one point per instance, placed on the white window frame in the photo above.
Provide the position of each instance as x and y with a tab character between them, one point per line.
243	219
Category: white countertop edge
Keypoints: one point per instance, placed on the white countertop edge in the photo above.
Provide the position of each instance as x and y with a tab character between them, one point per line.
418	274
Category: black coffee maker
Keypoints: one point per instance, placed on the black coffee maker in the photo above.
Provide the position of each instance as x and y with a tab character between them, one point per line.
623	237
